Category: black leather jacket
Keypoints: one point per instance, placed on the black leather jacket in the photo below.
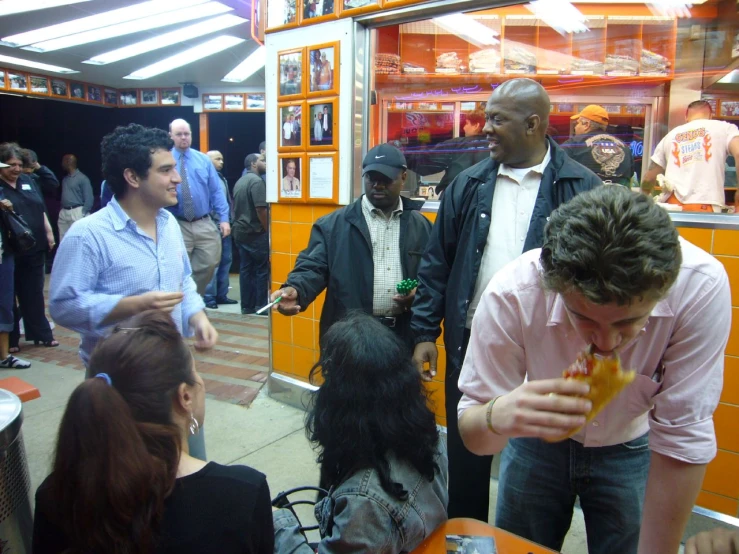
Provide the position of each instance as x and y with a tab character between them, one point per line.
451	262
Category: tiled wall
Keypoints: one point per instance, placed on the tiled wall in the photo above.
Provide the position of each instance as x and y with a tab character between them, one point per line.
295	341
721	486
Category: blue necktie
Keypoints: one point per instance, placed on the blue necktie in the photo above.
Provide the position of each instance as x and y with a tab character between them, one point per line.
188	209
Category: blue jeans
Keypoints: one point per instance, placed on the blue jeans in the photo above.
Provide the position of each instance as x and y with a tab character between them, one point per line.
217	289
540	481
254	273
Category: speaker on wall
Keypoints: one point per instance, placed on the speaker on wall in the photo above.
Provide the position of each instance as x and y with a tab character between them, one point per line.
190	91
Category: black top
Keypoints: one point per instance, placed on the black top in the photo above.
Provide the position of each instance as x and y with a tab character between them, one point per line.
603	154
28	202
224	509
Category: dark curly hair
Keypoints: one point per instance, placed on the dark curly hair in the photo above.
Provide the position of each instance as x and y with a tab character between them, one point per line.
372	402
130	147
612	246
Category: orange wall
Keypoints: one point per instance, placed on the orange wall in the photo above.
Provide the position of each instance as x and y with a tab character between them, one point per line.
295	341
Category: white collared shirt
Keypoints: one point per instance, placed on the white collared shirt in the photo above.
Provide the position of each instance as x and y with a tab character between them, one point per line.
513	203
385	236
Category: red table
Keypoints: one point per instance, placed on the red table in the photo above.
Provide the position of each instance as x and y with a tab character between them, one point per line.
505	542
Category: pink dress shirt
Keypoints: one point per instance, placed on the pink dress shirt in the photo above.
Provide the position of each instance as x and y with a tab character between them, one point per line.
523	332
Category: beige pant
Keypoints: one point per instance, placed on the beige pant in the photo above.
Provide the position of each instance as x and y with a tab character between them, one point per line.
66	218
203	244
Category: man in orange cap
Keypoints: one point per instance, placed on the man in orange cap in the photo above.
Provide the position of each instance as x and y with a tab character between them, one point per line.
602	153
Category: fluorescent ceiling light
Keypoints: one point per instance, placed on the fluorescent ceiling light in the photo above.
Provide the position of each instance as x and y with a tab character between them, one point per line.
10	7
253	63
168	39
467	28
36	65
560	15
129	13
180	16
196	53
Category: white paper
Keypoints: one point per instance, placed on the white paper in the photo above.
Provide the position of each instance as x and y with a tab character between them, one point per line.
321	178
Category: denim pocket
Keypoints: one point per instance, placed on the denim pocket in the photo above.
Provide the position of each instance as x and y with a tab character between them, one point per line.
638	444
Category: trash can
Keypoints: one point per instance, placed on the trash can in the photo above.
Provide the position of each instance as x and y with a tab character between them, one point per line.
16	519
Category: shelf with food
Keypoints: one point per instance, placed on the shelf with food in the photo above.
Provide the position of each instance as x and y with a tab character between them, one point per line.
458	78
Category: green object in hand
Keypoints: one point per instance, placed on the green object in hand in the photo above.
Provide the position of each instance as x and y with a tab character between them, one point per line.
406	286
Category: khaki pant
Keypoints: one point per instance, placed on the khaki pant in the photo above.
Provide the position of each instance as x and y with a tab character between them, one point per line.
203	244
67	218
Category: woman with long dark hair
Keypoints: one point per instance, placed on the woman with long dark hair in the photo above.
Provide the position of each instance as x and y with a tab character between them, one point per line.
122	480
379	449
30	266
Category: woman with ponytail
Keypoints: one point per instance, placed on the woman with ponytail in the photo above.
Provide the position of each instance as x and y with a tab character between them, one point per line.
122	480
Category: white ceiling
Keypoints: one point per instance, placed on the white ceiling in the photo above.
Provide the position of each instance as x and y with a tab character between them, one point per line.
207	72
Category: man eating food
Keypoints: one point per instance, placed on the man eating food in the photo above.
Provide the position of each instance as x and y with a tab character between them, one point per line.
613	279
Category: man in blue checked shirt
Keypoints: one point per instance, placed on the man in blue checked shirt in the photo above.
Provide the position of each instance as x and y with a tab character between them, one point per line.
130	256
199	193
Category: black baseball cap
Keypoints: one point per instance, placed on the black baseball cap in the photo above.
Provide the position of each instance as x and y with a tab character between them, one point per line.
386	159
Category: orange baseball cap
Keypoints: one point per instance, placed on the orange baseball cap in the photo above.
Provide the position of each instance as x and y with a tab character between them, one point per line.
593	112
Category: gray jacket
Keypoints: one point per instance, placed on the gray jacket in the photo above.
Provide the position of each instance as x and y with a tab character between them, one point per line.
359	516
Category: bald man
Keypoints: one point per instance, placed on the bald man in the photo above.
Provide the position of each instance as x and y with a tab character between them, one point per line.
77	196
217	290
489	215
199	193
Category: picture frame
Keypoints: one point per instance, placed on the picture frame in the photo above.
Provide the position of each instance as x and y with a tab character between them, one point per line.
255	102
291	127
323	69
77	91
3	80
170	97
60	88
212	102
351	8
128	98
315	11
149	97
728	108
282	14
291	74
322	129
290	177
321	178
233	102
39	84
110	96
389	4
94	93
18	81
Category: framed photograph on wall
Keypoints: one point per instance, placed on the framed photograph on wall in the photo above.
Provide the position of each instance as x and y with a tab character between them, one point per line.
291	81
149	97
212	102
729	108
18	81
59	87
94	93
169	97
255	102
323	126
39	85
322	178
357	7
291	177
77	91
318	10
128	97
282	14
110	96
233	102
323	67
291	127
3	81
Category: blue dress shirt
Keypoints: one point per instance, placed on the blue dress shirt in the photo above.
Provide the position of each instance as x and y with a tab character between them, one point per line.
205	186
104	258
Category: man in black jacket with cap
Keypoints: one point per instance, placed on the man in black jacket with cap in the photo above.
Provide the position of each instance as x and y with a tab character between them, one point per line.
361	252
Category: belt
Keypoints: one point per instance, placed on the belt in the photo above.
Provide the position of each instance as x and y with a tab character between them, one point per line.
388	321
72	207
192	220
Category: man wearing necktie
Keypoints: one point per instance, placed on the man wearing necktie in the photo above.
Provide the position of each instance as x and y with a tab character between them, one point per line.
327	130
199	193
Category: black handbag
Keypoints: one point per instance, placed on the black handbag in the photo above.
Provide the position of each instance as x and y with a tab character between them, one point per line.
16	232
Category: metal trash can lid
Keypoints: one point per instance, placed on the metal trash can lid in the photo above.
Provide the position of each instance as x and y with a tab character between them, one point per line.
11	418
